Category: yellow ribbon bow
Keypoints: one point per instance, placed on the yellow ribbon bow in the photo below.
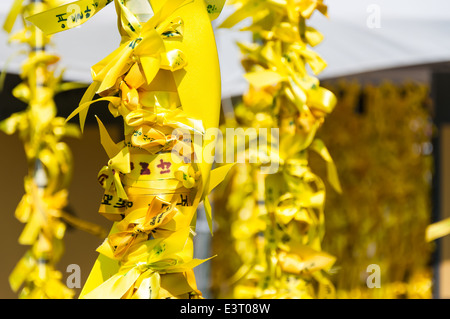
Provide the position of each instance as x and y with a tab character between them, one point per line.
162	256
109	174
150	130
145	47
138	225
35	209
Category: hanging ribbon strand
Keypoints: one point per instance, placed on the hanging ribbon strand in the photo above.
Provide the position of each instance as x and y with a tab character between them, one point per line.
164	81
50	165
277	220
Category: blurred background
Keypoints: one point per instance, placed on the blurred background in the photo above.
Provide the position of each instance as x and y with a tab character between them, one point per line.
389	66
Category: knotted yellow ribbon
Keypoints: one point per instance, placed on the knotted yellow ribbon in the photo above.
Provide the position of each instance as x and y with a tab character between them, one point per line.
147	49
162	256
138	225
109	174
143	48
162	129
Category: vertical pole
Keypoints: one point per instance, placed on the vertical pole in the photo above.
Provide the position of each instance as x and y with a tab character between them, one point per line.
440	82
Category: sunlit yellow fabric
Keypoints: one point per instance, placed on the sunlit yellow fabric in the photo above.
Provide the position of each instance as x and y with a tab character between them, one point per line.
438	229
276	221
43	206
164	81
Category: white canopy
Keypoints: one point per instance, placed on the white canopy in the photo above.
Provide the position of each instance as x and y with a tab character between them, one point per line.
360	36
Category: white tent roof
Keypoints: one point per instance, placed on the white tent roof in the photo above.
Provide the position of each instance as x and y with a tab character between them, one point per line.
410	32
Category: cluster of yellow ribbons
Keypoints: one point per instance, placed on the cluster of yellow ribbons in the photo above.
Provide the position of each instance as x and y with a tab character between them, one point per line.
43	205
163	80
277	220
384	155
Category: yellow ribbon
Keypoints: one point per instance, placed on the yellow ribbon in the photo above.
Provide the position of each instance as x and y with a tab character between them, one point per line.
162	256
304	259
138	224
42	208
278	219
67	16
147	50
120	163
437	230
11	18
307	7
214	7
31	268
